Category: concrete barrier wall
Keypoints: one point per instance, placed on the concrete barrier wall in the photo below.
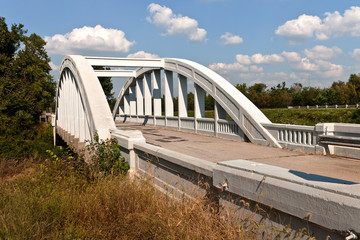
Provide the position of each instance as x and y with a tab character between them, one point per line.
295	137
322	206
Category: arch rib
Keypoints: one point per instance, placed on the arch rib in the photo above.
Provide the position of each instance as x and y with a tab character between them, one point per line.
246	115
81	106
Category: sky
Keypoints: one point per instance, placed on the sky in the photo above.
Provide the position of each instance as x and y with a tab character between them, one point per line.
260	41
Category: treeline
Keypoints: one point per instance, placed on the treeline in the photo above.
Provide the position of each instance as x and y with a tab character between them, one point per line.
340	93
281	96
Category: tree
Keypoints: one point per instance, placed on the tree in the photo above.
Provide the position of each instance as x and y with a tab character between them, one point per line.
280	96
354	80
107	87
26	86
258	95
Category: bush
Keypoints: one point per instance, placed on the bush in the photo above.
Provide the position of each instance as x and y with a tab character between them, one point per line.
106	157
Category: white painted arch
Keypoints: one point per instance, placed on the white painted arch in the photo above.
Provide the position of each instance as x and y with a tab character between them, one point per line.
247	116
81	106
81	102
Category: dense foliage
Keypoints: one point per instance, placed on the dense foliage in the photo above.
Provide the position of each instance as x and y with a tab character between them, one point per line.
26	86
340	93
26	89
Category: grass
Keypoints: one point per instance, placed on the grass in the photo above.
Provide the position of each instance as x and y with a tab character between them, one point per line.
55	195
312	116
58	196
53	199
308	117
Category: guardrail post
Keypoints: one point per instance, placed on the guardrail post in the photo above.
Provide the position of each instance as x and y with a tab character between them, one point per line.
323	129
126	139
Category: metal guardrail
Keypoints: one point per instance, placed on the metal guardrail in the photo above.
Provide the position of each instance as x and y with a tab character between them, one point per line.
340	141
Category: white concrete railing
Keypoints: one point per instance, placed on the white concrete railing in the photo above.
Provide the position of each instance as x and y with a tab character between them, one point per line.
220	127
308	138
324	208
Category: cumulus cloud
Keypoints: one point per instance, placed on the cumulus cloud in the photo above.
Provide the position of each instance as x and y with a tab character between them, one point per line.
142	54
255	68
258	58
223	68
328	69
356	53
243	59
89	39
306	65
333	25
230	39
163	17
291	56
322	52
299	29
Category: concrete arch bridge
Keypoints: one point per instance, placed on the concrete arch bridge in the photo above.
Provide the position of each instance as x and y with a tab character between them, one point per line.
291	182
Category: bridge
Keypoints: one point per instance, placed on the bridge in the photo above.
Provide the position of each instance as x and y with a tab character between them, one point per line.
247	157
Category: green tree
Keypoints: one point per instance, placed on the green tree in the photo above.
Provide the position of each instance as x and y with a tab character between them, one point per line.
258	95
26	86
280	96
354	82
107	87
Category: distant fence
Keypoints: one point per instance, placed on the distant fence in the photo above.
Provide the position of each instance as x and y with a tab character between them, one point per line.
324	106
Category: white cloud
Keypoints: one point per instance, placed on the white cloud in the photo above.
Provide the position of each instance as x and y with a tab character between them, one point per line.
258	58
54	67
299	29
243	59
306	65
337	25
229	39
356	53
322	52
333	25
291	56
223	68
329	70
142	54
89	39
255	68
163	17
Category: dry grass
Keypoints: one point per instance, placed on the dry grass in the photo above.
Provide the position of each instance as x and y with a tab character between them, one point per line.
54	200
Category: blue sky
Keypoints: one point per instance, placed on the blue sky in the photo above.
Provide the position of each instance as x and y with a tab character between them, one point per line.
267	41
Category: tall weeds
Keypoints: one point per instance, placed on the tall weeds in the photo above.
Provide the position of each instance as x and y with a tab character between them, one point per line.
55	199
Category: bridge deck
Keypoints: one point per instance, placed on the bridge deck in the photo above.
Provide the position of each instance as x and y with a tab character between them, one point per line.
220	149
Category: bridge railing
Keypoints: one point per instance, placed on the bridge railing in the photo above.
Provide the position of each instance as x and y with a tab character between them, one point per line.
209	126
309	138
294	137
286	195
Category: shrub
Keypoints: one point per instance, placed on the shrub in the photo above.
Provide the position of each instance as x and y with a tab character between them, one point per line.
106	157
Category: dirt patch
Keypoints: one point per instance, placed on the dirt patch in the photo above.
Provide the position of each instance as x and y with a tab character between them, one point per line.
14	169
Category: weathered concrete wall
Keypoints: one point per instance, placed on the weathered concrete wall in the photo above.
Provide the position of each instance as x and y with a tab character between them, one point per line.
277	197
